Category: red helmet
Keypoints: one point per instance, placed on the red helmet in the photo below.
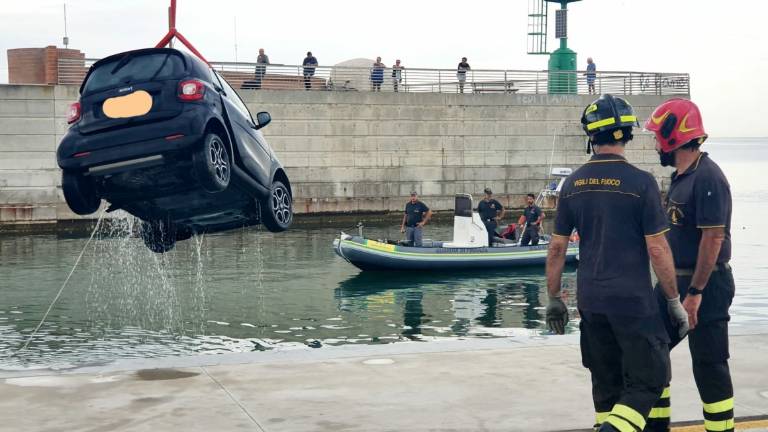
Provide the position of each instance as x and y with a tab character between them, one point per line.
676	122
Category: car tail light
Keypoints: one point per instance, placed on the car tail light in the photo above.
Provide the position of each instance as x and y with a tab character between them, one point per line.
73	113
191	90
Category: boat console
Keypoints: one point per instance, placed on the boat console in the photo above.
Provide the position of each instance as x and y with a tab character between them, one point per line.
468	229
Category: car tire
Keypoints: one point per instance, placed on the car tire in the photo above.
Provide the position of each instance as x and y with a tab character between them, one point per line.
159	236
212	164
277	208
80	193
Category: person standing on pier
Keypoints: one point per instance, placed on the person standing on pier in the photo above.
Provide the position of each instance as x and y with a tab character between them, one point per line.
397	75
377	75
491	212
699	211
591	74
416	215
618	213
309	63
461	73
261	67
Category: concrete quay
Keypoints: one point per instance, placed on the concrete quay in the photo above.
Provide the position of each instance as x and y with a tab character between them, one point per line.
527	382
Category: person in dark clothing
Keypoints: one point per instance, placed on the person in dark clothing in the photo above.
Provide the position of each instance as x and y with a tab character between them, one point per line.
491	212
261	67
309	63
461	73
617	211
699	210
416	215
531	221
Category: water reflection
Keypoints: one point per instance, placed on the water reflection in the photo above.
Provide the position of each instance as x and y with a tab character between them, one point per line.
455	304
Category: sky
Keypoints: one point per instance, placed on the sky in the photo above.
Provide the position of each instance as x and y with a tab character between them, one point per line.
722	44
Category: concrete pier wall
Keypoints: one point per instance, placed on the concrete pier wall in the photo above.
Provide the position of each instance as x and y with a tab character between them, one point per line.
345	151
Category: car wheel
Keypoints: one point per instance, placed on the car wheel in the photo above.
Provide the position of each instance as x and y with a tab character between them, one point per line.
277	208
80	193
158	235
212	164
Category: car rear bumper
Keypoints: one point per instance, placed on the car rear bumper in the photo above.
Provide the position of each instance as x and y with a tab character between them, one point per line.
128	156
79	151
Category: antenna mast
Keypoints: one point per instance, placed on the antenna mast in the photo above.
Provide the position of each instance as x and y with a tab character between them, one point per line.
66	37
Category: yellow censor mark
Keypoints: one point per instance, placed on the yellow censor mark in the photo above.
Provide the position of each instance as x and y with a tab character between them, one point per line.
373	244
135	104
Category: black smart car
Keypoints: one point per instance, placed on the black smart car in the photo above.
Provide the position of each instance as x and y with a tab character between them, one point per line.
161	135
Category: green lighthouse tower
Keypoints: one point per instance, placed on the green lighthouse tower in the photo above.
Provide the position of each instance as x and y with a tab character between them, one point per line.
562	77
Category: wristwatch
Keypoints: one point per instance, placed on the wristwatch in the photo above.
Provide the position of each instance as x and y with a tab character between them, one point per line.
694	291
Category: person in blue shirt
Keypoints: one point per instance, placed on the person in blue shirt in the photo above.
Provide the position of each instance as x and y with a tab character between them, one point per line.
591	74
377	75
531	221
491	212
309	63
416	215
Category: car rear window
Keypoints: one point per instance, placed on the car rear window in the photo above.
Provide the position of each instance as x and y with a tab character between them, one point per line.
134	68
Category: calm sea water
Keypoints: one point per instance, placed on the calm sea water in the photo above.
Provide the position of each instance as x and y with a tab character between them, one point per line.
249	290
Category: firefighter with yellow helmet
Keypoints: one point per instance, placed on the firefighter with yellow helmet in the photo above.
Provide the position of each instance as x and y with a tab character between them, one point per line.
617	210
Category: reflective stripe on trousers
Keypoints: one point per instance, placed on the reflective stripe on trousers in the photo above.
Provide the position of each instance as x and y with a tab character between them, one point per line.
718	416
659	418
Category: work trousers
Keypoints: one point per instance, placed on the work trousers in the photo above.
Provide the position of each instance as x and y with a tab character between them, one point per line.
490	226
628	358
530	235
414	235
708	344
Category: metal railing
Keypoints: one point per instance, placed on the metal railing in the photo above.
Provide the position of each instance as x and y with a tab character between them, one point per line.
418	80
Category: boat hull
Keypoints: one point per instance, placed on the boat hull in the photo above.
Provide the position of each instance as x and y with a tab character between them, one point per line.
368	255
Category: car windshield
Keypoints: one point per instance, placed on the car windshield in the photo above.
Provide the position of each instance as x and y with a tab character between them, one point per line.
135	68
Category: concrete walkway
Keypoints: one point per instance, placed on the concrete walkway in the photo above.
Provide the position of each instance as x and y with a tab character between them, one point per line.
530	383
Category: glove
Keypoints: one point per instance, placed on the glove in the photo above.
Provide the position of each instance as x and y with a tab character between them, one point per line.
557	315
678	316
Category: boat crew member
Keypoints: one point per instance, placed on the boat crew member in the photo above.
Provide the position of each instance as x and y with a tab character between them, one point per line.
531	217
618	213
416	215
699	211
491	212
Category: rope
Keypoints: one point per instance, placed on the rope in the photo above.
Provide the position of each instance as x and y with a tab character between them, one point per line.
61	290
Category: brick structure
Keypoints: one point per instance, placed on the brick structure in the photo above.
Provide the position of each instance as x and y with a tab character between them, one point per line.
41	66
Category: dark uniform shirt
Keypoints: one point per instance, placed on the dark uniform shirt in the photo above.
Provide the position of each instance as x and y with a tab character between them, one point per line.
415	213
698	198
532	214
489	209
613	205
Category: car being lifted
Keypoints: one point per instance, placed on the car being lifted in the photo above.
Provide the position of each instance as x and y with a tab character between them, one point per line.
163	136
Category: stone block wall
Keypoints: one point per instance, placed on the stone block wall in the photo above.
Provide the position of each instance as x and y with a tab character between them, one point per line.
345	152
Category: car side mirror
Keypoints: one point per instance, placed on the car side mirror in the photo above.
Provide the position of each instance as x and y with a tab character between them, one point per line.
262	119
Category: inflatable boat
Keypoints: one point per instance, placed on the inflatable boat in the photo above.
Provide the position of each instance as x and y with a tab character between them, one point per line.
468	250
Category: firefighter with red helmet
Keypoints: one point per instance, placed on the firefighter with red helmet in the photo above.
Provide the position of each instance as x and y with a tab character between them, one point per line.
698	207
617	210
